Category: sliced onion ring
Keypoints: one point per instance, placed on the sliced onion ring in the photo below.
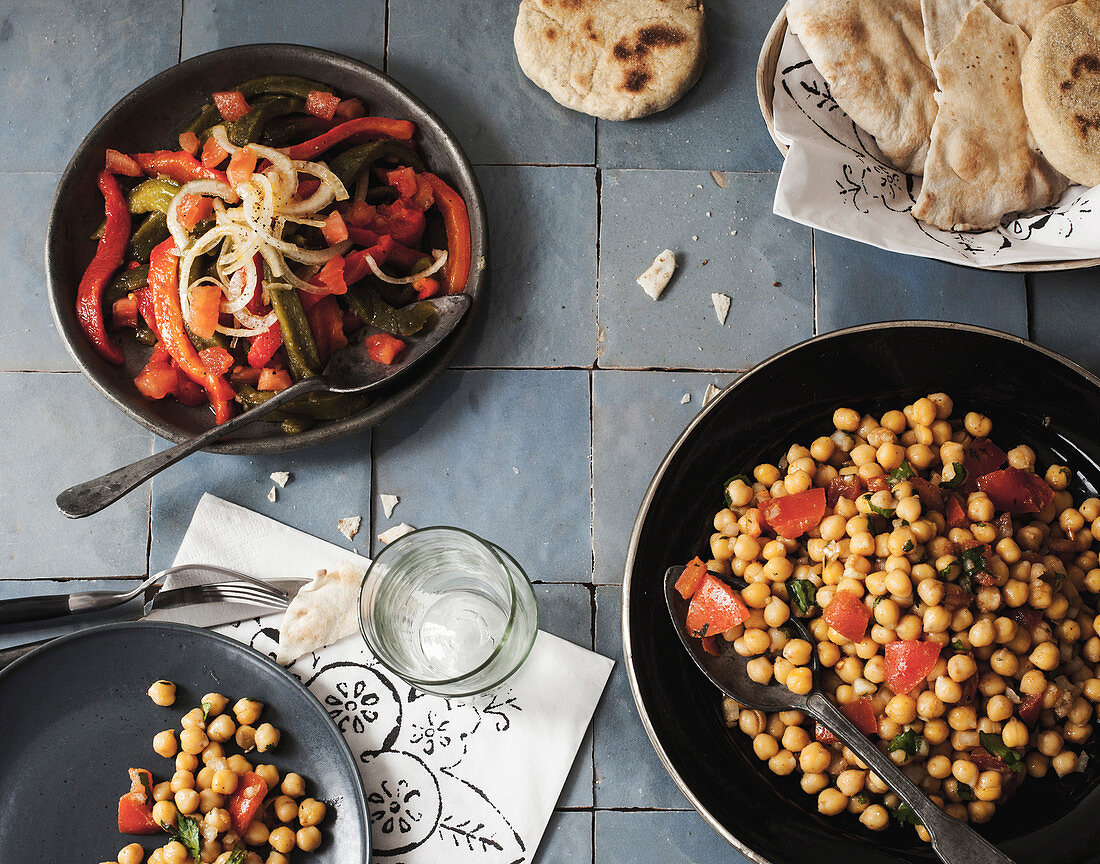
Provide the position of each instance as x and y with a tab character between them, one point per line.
407	280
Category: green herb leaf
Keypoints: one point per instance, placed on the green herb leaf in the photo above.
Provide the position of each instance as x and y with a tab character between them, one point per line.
966	584
187	833
902	472
881	511
957	645
726	487
236	856
878	600
945	572
147	785
965	792
206	706
909	742
957	479
703	630
790	631
804	594
908	547
994	745
905	815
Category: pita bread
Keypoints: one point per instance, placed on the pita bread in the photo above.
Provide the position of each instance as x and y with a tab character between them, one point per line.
873	56
942	21
615	59
1061	90
980	166
324	611
1025	14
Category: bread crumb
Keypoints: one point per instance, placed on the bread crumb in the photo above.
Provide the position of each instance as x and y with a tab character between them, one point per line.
721	306
709	394
515	470
656	278
349	526
391	534
719	178
272	496
388	503
685	399
281	478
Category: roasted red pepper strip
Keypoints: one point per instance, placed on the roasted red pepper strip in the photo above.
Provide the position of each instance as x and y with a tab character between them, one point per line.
402	256
135	808
355	264
164	282
361	127
457	222
179	166
108	258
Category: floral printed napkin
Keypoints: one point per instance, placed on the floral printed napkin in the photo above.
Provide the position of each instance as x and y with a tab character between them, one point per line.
456	780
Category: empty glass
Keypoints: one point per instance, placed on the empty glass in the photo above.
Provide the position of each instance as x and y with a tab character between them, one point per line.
447	611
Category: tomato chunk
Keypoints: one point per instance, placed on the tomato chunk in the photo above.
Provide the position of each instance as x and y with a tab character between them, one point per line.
273	379
231	104
793	515
848	615
908	662
691	578
202	314
189	141
956	513
982	456
861	713
135	808
1015	491
384	348
242	164
715	607
848	487
156	380
322	104
246	800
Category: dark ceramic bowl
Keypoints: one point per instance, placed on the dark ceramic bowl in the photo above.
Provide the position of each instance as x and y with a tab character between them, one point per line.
150	118
1033	396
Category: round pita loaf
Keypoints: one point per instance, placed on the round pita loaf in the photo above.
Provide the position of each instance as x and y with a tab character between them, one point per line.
1061	90
615	59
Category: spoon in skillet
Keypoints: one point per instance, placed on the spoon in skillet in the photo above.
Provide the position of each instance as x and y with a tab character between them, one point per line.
955	842
349	370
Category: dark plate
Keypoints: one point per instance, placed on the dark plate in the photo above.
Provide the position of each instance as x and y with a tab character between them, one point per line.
75	716
1033	396
150	118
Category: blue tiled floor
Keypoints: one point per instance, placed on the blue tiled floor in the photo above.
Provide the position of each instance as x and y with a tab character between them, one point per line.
568	392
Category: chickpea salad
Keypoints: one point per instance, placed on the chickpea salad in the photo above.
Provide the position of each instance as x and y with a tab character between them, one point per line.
950	590
217	807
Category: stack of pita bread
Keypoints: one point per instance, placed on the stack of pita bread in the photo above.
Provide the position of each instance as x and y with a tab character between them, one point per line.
947	89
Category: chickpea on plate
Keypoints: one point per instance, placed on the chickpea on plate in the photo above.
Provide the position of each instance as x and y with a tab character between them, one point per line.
950	591
215	812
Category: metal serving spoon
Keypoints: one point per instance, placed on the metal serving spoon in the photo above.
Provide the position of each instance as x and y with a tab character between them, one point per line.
349	370
954	841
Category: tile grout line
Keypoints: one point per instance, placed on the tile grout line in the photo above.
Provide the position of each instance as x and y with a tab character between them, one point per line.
386	38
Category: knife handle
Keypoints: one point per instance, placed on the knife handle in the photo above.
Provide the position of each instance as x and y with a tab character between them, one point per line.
21	609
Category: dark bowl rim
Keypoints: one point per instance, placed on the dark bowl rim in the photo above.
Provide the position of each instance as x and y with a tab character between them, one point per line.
413	384
651	490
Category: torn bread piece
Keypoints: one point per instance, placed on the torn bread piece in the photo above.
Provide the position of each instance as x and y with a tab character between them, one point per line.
656	278
272	496
323	612
388	503
721	306
685	399
349	526
391	534
281	478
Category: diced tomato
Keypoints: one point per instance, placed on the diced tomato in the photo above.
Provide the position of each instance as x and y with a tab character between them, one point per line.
1028	709
187	391
124	312
986	761
361	214
691	578
849	487
205	306
326	321
135	808
426	287
425	194
242	165
334	229
848	615
401	220
908	662
1026	617
715	607
331	276
264	346
193	209
710	645
981	457
878	484
355	265
403	180
246	801
120	163
1015	491
349	109
930	496
956	597
322	104
273	379
216	359
793	515
189	141
212	153
160	354
231	104
156	380
956	515
244	375
384	348
861	713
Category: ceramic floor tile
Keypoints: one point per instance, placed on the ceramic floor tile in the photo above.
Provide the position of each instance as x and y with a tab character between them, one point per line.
669	837
64	63
32	631
717	124
636	417
327	482
568	839
858	284
471	77
58	432
503	453
1058	317
28	340
541	300
628	772
352	27
761	262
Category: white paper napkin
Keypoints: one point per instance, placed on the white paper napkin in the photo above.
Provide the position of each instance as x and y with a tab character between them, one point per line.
836	179
455	780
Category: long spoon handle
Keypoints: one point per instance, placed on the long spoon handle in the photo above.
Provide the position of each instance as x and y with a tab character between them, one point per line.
954	841
92	496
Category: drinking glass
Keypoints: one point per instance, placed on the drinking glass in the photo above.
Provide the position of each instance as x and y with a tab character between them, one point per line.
448	612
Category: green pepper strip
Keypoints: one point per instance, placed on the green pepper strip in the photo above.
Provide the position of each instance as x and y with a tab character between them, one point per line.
317	406
149	234
297	425
283	131
286	85
208	116
152	195
351	163
125	283
247	129
301	349
373	310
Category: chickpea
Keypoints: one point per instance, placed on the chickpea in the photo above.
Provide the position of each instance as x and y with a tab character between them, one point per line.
174	853
281	839
187	762
218	819
277	858
256	833
182	780
800	680
194	719
164	813
221	728
193	740
1064	763
238	764
162	791
759	670
224	782
187	801
164	743
1057	477
210	800
245	736
286	808
293	785
308	839
163	693
132	853
247	712
831	801
205	778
